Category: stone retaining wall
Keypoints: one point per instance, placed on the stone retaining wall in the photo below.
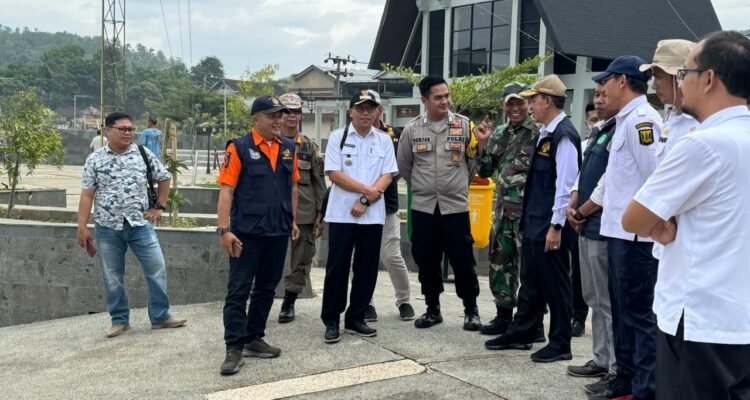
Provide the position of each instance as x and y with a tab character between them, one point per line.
36	197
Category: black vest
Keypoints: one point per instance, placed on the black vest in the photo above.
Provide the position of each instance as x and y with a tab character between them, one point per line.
539	192
262	204
594	164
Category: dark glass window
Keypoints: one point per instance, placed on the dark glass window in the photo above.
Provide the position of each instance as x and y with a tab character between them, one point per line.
528	43
481	37
437	40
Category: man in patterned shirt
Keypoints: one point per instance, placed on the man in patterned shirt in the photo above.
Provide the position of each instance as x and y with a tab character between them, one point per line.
114	178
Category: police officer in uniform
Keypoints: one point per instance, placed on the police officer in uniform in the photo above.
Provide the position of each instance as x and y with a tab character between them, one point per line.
633	269
435	157
311	188
509	153
259	190
547	240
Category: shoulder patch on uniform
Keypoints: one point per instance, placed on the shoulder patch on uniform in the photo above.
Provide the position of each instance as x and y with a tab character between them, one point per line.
644	125
645	134
544	147
227	158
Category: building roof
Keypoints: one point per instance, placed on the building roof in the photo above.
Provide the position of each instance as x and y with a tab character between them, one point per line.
613	28
594	28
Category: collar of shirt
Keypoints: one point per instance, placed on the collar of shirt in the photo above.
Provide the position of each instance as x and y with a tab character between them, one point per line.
259	139
724	115
426	119
132	147
353	130
545	129
632	105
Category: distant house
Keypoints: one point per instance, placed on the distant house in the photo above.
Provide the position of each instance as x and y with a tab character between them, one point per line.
453	38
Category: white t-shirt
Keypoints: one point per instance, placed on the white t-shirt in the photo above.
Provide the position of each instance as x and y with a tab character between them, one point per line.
96	143
704	273
365	159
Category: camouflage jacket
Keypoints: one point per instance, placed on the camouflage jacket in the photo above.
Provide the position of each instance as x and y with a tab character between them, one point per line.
509	154
311	185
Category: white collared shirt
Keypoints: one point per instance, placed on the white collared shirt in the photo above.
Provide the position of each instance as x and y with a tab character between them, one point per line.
365	159
632	159
566	160
705	182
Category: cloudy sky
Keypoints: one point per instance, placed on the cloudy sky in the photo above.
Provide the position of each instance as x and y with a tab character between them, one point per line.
247	34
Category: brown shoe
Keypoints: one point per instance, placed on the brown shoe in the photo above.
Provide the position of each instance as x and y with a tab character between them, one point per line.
170	323
116	330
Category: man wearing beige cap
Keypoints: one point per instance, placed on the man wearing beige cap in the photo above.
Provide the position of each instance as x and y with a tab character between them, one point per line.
669	57
311	188
547	240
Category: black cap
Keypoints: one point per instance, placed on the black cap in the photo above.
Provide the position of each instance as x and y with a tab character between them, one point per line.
364	96
267	105
624	65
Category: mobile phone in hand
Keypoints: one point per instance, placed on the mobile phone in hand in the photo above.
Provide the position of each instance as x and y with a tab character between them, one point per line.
90	247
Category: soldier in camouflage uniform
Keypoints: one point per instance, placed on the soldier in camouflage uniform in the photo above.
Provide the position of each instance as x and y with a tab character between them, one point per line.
311	188
508	153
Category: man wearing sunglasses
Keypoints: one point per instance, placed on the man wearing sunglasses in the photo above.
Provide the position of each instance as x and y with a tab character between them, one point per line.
311	188
114	178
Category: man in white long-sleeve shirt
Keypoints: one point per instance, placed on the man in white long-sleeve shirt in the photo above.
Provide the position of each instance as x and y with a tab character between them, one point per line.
545	259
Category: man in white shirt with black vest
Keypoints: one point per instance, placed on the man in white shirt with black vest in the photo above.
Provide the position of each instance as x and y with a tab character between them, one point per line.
696	203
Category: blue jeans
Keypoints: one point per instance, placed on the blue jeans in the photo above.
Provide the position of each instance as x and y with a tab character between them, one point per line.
112	245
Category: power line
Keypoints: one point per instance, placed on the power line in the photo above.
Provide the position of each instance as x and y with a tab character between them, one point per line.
166	30
683	21
179	22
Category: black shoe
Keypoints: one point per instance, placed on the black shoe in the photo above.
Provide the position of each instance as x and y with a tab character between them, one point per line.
371	315
601	385
505	342
617	387
259	348
588	370
233	362
405	312
428	319
577	328
539	335
332	333
287	309
360	329
547	355
497	326
471	320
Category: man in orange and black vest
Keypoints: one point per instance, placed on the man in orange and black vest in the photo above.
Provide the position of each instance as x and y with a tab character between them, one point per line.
259	190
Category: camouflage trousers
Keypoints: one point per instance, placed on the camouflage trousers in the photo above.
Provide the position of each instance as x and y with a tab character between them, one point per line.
505	260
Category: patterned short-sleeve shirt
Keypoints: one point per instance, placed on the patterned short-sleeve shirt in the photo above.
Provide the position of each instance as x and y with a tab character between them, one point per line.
120	184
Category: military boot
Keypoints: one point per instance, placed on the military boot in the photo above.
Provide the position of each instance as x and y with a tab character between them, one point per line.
287	308
499	324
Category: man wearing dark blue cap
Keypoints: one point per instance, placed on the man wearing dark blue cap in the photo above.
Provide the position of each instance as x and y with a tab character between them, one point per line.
258	181
632	268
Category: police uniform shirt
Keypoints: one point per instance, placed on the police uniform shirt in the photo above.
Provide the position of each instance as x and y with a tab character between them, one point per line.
567	169
675	127
364	159
632	159
703	273
432	159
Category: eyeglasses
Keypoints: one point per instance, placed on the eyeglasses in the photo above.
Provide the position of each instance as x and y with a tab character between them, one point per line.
294	112
605	80
123	129
365	109
682	72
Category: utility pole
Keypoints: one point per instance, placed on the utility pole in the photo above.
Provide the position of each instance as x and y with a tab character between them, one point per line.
113	52
338	73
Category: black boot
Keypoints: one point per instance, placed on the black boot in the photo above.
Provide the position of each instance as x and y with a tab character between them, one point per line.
287	308
430	318
499	324
471	319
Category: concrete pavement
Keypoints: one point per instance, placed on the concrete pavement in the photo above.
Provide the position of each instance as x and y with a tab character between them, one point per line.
71	359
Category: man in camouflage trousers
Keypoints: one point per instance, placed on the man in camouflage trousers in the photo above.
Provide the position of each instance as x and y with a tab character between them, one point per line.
311	188
508	151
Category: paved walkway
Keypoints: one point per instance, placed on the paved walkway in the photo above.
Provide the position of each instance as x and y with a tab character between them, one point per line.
71	359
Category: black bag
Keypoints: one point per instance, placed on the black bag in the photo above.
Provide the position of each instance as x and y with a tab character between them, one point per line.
150	190
324	206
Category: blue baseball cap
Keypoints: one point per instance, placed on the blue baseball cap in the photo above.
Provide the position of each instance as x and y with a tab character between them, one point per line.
624	65
267	105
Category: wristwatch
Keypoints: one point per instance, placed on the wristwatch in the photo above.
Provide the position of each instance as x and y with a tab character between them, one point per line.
221	231
363	200
160	206
557	227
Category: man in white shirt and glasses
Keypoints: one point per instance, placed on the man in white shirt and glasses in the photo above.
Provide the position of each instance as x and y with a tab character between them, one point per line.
695	204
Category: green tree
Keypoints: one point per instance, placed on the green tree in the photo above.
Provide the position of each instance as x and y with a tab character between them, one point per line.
258	83
28	137
207	72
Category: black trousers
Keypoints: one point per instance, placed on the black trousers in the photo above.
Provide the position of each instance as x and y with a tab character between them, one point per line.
580	308
261	262
435	234
632	277
364	241
545	279
700	371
